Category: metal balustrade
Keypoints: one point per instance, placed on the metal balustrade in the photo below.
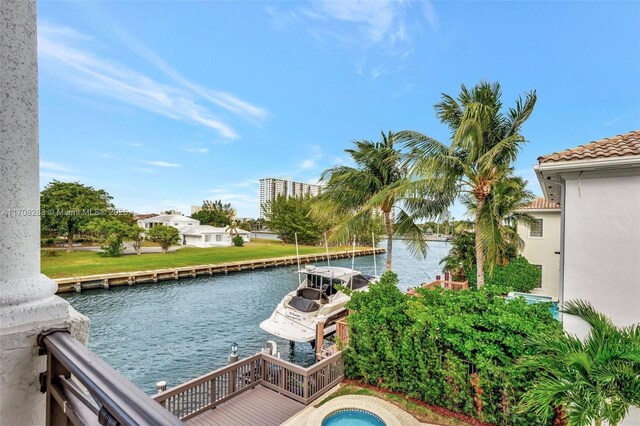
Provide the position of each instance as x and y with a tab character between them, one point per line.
82	389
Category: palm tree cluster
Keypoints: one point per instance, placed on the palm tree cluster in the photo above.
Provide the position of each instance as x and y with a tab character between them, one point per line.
476	167
585	381
408	176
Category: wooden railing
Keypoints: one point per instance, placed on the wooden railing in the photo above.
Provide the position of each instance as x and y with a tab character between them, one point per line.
208	391
342	332
82	389
450	285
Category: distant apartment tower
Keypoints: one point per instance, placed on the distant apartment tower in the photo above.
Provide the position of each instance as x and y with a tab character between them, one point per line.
270	188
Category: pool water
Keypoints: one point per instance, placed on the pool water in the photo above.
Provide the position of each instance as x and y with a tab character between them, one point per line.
352	418
538	298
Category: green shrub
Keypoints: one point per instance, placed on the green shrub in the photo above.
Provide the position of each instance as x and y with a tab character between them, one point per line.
50	253
457	350
518	275
237	241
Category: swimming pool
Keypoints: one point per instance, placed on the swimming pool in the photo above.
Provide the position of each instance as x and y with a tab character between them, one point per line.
538	298
352	417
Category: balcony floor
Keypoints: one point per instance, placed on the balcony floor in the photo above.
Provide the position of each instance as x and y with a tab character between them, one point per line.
259	406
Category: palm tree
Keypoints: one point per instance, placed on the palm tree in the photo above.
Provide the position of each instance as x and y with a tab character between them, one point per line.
485	144
594	380
356	195
502	212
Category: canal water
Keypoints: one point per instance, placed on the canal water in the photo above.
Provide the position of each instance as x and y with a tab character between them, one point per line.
179	330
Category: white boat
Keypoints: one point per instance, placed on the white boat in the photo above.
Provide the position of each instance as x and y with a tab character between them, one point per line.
317	299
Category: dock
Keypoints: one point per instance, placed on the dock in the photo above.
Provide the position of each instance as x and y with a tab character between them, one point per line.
105	281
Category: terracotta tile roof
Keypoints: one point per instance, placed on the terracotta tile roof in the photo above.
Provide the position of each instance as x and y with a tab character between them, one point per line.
624	145
541	204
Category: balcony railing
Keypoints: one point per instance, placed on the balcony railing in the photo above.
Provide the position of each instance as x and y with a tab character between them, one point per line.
82	389
206	392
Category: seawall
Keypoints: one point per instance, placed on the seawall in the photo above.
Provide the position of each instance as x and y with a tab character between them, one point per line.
105	281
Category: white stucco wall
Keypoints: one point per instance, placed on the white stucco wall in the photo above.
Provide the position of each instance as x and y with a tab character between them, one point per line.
544	250
602	247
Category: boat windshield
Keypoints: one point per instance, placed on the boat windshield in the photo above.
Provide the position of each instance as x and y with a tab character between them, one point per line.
326	284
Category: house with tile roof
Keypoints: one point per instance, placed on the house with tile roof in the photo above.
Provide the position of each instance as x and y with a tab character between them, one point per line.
542	244
598	188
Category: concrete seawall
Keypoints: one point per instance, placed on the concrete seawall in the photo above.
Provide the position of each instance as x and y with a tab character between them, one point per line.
105	281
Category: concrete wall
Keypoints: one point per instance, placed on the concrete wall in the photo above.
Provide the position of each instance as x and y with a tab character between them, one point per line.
602	247
544	250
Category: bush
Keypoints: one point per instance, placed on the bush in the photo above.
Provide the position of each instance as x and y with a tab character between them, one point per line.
518	275
237	241
48	242
457	350
50	253
165	236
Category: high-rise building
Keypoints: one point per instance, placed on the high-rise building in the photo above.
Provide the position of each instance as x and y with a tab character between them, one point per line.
270	188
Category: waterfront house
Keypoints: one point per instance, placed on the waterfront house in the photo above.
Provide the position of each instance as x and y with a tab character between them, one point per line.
598	188
174	220
209	236
542	244
192	233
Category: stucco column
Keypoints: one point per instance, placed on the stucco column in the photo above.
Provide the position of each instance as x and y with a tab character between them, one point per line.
28	304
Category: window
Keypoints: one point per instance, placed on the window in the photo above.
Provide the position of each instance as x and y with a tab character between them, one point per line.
218	238
539	267
207	238
536	228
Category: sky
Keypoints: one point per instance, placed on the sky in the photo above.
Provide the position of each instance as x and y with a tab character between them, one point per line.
164	104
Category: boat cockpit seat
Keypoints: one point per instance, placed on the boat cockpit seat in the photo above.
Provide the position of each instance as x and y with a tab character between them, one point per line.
303	305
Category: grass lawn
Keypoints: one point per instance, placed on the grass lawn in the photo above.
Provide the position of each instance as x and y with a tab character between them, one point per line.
81	263
420	412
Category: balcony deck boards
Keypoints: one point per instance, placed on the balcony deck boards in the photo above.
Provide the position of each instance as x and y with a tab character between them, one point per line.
259	406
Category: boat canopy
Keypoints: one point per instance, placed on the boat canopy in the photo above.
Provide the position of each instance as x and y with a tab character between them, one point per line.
330	272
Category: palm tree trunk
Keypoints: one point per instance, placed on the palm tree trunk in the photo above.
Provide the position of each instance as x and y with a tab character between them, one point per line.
389	228
479	250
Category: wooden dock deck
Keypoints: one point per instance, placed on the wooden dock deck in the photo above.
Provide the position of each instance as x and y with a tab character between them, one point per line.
105	281
259	406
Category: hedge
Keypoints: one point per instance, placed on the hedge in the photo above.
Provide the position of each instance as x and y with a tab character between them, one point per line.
457	350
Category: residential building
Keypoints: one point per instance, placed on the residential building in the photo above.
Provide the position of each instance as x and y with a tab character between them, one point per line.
192	233
271	188
598	188
542	244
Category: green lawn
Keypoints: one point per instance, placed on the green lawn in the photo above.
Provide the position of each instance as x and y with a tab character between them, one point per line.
88	263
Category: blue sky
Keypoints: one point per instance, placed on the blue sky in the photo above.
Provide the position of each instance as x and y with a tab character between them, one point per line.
165	104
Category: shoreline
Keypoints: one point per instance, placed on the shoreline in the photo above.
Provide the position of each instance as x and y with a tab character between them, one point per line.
105	281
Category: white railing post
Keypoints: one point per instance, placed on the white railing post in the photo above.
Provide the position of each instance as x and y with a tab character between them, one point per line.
28	304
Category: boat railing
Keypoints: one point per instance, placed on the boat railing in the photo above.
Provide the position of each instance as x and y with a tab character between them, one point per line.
82	389
206	392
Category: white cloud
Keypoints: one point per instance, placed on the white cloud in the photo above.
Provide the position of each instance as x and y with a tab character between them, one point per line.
308	164
386	22
75	53
163	164
198	150
50	165
223	99
136	144
105	156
